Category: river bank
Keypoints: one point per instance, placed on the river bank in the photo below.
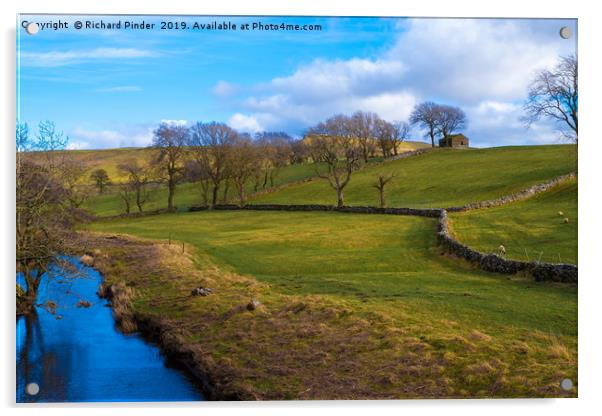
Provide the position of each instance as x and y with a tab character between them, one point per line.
245	339
69	347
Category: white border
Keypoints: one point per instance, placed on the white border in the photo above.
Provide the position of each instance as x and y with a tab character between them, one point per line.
589	162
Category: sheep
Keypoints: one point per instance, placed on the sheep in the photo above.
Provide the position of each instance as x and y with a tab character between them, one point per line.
501	250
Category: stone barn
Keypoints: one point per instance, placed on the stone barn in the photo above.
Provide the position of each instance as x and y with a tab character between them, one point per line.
454	140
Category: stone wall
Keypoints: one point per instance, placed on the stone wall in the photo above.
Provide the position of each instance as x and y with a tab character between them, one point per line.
524	194
486	261
493	263
410	153
426	212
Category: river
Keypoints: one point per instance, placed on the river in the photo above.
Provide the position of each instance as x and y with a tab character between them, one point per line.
75	354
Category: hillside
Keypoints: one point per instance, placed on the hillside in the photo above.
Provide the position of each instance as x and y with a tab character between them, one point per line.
441	178
528	230
187	194
107	159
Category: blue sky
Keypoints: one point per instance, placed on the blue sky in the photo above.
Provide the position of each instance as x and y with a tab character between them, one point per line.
111	88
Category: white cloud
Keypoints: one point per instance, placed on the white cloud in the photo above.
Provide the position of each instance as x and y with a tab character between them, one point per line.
481	65
136	136
224	89
325	80
248	124
469	60
62	58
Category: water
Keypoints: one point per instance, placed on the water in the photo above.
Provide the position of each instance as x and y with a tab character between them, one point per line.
82	357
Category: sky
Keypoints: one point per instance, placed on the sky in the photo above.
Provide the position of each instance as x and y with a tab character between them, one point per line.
110	88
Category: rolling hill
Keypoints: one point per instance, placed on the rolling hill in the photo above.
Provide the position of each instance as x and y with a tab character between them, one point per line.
442	178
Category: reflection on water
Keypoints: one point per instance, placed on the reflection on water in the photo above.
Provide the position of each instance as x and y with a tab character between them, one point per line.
77	354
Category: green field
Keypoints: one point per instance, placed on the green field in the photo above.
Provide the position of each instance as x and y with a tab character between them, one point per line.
388	267
378	309
442	178
531	229
439	179
187	194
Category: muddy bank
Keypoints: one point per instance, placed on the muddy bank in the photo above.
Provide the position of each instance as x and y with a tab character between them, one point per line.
215	380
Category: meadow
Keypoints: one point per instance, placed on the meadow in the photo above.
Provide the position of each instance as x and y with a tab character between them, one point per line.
469	327
446	177
346	294
533	229
188	194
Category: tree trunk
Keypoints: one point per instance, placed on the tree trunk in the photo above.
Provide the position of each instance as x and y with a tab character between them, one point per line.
172	192
226	190
205	192
265	179
340	201
241	194
33	278
214	195
382	197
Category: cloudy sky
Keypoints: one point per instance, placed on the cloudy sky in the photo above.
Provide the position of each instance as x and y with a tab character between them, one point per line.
108	88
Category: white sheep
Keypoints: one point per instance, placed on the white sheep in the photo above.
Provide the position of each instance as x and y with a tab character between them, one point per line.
501	250
560	214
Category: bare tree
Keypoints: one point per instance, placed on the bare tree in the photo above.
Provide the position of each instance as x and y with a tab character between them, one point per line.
385	134
243	163
42	222
425	115
101	179
299	151
401	133
380	183
72	174
449	119
275	154
137	181
124	191
170	140
553	94
332	142
362	125
211	144
196	172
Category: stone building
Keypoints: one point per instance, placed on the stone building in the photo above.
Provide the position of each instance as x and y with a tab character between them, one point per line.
454	140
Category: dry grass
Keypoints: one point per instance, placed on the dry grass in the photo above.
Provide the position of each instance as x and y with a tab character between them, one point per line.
309	346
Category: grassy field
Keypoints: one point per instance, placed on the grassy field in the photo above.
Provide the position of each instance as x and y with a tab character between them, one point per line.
438	179
404	320
187	194
529	230
442	178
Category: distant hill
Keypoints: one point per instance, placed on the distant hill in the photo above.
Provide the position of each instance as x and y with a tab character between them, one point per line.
108	159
